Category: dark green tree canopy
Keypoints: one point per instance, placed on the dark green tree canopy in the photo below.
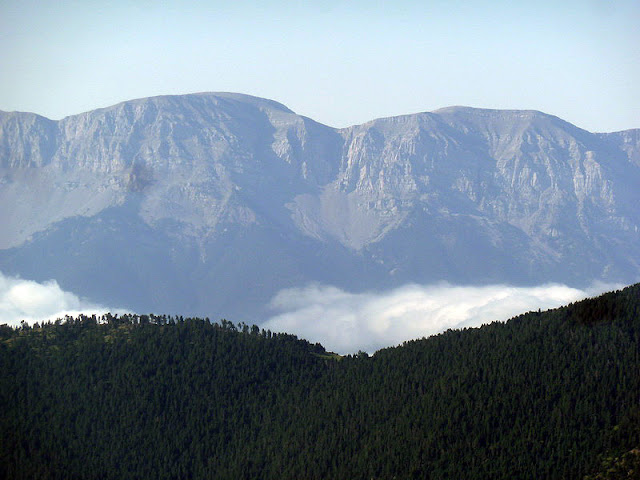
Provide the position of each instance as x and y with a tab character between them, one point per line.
545	395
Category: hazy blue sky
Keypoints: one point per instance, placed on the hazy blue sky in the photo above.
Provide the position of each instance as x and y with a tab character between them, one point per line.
340	63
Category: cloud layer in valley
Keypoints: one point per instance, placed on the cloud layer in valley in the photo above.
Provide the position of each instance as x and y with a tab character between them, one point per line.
35	302
342	321
347	322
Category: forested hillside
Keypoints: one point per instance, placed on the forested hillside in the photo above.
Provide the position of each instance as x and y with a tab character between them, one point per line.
546	395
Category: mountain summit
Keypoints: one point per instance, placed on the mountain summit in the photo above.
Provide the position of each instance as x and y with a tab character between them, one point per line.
210	203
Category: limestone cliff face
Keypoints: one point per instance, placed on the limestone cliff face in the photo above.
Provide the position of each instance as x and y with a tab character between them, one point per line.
459	194
628	141
26	140
564	188
190	159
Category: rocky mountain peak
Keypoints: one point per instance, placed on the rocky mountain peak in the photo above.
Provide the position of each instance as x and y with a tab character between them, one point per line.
205	180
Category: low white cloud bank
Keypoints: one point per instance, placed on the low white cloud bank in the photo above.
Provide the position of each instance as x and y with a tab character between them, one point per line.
343	322
36	302
347	322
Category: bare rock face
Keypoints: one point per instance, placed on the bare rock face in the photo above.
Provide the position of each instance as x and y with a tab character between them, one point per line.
210	203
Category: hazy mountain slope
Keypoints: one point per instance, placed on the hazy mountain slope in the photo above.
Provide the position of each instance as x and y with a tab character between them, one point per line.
628	141
538	193
194	202
199	159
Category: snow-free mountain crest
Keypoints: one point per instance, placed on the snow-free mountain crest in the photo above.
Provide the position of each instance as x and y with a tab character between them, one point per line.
210	203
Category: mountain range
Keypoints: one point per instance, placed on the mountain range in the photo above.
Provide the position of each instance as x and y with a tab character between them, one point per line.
209	204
